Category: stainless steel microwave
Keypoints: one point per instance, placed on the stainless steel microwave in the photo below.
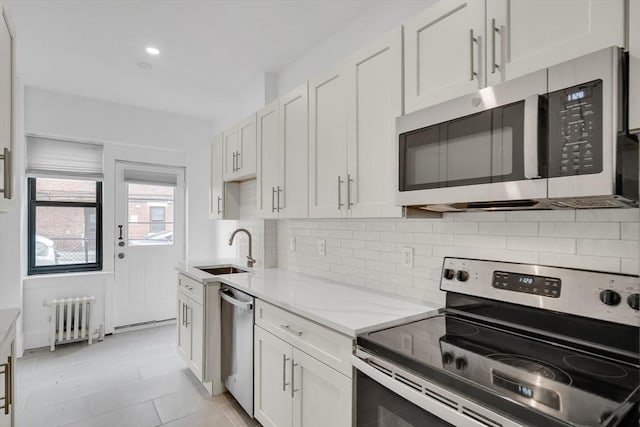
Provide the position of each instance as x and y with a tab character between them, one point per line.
550	139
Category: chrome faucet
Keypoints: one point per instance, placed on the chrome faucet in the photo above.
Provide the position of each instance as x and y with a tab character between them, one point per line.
250	259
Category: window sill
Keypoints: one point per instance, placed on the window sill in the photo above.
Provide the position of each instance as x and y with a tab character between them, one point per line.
43	280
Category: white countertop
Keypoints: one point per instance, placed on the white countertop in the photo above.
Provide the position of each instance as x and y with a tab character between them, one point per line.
347	309
8	318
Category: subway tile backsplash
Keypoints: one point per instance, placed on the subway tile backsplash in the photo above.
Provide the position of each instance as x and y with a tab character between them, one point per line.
368	252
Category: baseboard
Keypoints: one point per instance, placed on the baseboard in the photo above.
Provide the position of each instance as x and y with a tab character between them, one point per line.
143	325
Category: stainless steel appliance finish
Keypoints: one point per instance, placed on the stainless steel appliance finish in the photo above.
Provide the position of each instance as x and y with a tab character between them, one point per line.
237	317
549	139
554	357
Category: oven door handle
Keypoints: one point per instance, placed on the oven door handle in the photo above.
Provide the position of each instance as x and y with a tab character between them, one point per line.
530	144
442	411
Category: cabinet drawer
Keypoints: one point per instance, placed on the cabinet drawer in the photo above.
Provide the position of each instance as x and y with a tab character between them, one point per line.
192	288
326	345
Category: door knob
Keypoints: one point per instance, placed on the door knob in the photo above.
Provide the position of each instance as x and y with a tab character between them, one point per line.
120	255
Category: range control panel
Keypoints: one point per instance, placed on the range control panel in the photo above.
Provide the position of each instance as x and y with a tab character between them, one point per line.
600	295
575	130
527	283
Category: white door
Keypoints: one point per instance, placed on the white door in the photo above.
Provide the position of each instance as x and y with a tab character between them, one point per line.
268	161
230	146
322	396
294	149
374	104
149	241
443	49
537	34
246	154
328	144
272	376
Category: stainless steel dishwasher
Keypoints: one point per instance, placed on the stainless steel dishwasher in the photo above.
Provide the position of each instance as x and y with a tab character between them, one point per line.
237	345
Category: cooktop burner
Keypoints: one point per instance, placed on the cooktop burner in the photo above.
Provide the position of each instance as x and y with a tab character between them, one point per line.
533	366
591	366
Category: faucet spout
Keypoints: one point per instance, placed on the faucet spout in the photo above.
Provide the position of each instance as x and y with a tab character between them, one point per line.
250	259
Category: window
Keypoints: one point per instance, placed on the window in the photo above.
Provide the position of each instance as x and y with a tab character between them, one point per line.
65	225
150	213
156	214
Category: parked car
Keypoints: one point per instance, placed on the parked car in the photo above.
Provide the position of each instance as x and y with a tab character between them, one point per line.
157	238
45	251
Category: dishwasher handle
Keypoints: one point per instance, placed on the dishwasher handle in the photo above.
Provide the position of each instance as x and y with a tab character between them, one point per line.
226	296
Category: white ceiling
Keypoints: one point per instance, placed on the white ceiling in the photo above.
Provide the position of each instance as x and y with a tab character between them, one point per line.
209	48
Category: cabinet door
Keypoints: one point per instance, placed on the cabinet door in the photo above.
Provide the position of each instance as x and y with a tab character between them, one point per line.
7	356
294	154
195	323
537	34
268	160
328	144
6	101
184	334
322	396
374	104
216	198
230	148
272	376
246	155
634	66
442	59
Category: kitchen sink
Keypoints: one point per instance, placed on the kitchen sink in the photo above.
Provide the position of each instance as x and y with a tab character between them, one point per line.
216	271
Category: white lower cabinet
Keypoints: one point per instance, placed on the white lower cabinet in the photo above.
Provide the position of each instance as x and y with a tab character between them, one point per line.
293	389
198	338
7	382
303	373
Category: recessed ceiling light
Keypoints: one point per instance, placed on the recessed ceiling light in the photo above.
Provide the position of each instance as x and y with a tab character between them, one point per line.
152	51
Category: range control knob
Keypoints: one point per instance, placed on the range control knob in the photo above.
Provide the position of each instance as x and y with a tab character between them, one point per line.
634	301
449	274
610	297
462	276
461	363
447	357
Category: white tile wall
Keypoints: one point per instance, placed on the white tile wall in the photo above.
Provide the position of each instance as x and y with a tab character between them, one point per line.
367	252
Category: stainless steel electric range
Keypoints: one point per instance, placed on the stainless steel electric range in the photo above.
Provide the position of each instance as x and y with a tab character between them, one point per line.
516	345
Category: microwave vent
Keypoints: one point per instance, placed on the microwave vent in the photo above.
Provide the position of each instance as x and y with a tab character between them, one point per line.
592	203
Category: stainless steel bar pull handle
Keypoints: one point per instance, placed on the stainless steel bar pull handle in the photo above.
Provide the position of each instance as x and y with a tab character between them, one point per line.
349	181
233	163
279	190
291	330
219	202
340	181
273	196
494	30
238	167
472	40
285	359
8	185
5	400
293	378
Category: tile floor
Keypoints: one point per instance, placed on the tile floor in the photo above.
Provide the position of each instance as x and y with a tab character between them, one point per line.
130	379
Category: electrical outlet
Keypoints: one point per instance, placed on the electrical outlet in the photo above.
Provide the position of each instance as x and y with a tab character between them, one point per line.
292	244
322	247
407	257
406	342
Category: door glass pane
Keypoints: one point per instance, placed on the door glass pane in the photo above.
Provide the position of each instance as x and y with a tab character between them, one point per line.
150	214
65	190
65	235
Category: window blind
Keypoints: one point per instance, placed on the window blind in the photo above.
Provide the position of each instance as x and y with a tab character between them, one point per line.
56	158
149	177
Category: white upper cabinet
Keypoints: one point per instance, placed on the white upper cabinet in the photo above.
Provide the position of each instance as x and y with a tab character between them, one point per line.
268	166
7	116
375	100
240	150
283	161
524	36
634	66
216	198
328	144
443	52
292	196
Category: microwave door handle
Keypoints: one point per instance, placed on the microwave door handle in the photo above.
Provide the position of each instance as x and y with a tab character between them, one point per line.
530	146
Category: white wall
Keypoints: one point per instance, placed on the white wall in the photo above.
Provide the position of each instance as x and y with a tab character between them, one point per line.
377	20
133	134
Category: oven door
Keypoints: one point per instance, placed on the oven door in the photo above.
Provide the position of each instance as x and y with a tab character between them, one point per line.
481	147
389	396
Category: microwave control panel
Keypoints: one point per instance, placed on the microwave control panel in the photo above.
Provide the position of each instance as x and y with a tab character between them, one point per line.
575	130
